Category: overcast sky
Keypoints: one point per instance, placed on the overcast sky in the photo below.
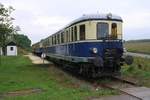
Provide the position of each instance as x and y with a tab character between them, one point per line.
41	18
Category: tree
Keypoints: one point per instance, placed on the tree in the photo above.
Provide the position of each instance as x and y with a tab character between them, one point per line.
6	26
23	41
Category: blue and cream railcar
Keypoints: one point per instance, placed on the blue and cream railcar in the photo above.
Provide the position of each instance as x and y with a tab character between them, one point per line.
94	42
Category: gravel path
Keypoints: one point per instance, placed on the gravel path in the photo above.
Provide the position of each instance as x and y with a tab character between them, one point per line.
37	60
117	97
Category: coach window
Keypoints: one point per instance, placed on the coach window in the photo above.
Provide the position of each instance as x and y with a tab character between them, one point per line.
75	33
82	32
114	30
62	37
54	39
72	34
66	36
69	35
57	38
49	40
102	30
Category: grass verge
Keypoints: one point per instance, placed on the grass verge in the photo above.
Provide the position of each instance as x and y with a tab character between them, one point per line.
139	71
18	73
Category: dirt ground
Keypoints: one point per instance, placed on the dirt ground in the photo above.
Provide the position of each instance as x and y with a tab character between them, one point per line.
37	60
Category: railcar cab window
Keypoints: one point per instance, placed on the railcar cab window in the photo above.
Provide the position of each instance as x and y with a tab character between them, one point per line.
114	30
102	30
82	32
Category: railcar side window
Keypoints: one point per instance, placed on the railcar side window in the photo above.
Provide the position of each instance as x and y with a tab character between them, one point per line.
102	30
114	30
58	39
82	32
69	35
62	37
49	39
75	33
66	36
55	39
72	34
52	40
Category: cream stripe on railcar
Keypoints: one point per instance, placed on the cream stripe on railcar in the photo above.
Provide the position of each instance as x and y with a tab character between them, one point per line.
91	28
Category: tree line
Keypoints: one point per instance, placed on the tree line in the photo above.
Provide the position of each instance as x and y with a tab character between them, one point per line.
9	32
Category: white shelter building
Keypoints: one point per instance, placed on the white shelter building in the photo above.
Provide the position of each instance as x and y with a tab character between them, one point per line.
11	49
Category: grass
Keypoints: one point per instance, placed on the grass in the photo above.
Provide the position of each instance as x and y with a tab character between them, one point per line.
138	47
139	71
18	73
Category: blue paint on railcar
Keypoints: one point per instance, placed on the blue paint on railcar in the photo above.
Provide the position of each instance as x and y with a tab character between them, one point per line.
39	50
82	49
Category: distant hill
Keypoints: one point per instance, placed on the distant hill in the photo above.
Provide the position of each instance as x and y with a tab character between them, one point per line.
140	40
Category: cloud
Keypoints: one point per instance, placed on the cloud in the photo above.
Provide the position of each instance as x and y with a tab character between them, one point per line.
51	21
137	20
39	19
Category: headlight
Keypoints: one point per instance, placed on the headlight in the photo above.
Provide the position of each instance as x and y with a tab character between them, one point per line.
94	50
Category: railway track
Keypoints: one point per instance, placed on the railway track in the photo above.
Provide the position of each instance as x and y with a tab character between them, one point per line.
129	88
126	87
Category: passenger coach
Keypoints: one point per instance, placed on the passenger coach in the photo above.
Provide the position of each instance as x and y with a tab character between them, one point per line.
92	42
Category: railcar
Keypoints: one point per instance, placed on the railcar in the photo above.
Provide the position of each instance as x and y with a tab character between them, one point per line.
92	43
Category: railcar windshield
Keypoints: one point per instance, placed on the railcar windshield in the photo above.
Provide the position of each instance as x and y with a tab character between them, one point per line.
102	30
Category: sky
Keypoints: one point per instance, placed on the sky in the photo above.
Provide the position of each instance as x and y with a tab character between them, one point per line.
39	19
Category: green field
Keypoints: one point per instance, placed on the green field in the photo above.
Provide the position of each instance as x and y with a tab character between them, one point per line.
138	47
18	73
139	71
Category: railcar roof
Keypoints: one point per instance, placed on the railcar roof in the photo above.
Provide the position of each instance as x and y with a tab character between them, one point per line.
96	17
88	17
